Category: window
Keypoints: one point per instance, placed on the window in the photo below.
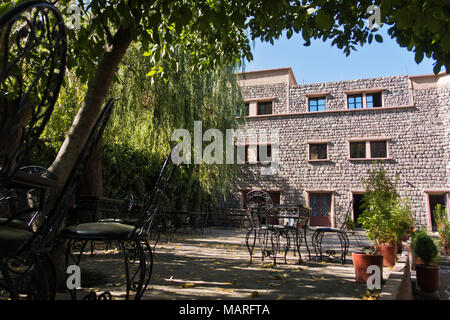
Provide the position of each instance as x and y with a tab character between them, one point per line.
264	107
373	100
318	151
239	149
378	149
316	104
369	149
369	98
357	150
355	101
246	154
264	153
246	111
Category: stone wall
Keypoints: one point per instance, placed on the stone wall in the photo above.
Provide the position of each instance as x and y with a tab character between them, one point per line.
395	93
279	91
418	147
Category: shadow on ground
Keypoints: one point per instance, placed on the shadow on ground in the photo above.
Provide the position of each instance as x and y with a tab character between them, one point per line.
216	266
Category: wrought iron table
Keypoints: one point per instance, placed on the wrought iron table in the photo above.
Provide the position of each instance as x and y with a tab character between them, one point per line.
277	224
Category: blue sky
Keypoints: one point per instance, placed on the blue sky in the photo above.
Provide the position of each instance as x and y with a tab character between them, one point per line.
320	62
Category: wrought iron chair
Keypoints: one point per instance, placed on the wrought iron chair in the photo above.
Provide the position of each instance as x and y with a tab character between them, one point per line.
32	65
274	227
131	239
38	244
341	232
259	205
295	218
25	265
24	204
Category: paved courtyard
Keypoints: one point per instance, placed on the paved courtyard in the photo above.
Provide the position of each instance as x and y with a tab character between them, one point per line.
215	265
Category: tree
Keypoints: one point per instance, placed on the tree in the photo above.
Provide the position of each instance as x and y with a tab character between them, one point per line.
153	108
138	136
216	30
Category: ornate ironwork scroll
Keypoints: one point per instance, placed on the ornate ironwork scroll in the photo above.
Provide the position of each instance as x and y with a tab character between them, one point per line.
32	64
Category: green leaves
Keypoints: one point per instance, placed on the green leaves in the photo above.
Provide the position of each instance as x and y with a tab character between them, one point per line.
323	20
154	70
418	56
386	218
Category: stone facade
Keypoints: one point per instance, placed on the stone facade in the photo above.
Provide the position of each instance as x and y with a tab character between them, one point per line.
414	120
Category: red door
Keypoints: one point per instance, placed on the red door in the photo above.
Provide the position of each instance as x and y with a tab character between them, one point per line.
320	204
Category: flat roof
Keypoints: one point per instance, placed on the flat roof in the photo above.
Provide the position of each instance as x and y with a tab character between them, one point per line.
294	81
288	69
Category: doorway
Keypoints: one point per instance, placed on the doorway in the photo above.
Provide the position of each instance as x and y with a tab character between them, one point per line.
433	200
320	204
357	209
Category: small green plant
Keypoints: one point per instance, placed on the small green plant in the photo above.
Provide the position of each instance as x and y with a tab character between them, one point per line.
350	224
371	250
386	218
416	235
442	224
403	217
425	248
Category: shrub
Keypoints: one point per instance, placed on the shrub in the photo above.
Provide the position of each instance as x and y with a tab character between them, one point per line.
443	226
386	218
424	247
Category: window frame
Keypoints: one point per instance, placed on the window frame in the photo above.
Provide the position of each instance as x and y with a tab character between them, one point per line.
321	142
350	150
354	96
364	93
317	98
368	148
257	153
264	102
371	94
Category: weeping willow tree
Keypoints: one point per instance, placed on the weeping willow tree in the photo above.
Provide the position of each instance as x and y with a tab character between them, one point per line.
155	103
150	106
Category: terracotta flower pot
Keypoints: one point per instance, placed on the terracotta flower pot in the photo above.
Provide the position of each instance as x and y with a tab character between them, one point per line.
428	277
362	261
389	252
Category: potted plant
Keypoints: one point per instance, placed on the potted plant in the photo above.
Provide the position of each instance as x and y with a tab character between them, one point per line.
404	221
427	273
381	214
416	235
443	226
363	259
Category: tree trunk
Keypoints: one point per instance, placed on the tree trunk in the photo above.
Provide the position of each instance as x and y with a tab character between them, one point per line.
83	123
92	181
90	109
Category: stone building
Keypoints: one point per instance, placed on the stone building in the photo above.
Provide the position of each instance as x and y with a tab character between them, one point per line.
329	135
